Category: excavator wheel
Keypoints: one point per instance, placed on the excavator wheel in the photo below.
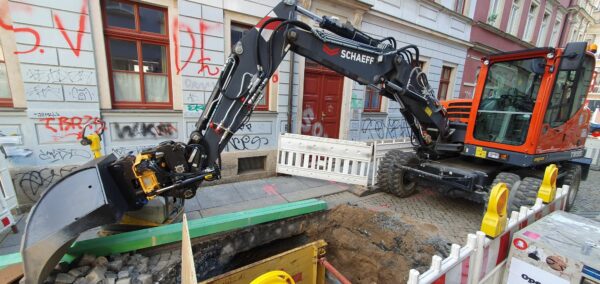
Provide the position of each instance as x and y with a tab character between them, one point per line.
524	194
572	179
392	178
511	180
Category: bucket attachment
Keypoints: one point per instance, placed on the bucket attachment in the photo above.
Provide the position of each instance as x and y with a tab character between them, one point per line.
86	198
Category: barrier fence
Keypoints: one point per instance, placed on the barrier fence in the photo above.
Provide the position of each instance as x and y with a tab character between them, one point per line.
483	259
352	162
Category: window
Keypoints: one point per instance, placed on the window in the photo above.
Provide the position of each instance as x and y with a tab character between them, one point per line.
541	40
444	83
372	99
507	102
530	22
459	6
568	95
495	13
5	96
137	46
237	32
513	19
554	37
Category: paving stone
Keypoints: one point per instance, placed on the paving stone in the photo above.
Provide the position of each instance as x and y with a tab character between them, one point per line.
123	274
311	182
76	272
286	184
96	274
80	280
87	259
115	265
64	278
160	266
101	260
125	280
144	279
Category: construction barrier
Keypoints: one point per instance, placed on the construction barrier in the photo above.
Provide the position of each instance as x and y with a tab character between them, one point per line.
352	162
482	259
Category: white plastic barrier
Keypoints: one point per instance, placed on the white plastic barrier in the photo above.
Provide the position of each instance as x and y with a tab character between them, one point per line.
351	162
483	260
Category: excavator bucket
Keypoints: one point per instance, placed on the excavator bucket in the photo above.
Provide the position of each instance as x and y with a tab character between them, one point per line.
86	198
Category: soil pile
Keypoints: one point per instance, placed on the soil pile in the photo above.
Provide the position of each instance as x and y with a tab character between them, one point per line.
377	247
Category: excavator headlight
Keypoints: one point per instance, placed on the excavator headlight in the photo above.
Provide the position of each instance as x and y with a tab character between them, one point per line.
550	55
486	62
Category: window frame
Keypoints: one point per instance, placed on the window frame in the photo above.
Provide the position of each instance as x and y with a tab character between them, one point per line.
6	102
369	98
543	32
531	21
139	37
498	13
267	90
444	81
456	6
554	36
514	17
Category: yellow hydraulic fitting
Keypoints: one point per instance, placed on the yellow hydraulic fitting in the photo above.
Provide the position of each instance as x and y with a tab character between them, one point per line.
95	145
274	277
547	190
495	219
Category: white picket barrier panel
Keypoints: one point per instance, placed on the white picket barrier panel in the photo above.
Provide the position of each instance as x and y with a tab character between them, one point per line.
324	158
352	162
482	260
381	147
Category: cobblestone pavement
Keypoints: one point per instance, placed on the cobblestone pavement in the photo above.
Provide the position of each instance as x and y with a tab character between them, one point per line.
587	203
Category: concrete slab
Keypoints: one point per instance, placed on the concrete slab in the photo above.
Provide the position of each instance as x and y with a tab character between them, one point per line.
216	196
311	182
286	184
314	192
192	204
193	215
252	204
255	189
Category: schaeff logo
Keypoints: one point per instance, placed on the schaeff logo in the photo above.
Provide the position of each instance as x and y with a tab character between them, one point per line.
350	55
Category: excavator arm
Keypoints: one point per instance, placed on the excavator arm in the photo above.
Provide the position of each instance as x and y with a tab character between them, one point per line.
101	191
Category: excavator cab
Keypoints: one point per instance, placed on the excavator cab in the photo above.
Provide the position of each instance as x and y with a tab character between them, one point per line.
529	106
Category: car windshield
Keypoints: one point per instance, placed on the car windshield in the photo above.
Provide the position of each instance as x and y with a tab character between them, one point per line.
507	102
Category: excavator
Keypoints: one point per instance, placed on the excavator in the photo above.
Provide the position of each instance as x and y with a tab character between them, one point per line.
528	111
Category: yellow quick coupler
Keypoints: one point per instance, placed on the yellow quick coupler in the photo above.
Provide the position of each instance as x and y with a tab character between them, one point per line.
547	191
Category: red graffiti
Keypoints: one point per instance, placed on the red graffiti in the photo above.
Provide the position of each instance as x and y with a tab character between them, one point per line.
71	126
188	29
203	59
75	48
31	31
212	71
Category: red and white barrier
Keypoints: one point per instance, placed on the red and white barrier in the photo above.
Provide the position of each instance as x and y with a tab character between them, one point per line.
482	260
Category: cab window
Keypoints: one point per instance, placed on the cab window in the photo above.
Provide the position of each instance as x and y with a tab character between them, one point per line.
509	96
568	94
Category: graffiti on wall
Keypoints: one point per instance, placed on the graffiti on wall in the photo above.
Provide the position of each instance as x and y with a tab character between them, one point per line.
247	142
143	130
81	94
40	92
310	124
33	182
67	128
75	47
381	129
54	75
121	151
63	154
203	60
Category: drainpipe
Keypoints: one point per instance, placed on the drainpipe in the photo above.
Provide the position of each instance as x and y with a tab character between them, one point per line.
290	90
564	27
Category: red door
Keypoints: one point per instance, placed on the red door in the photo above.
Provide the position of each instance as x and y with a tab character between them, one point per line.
322	101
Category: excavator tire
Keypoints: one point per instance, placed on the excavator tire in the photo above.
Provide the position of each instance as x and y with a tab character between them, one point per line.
511	180
392	178
573	180
524	194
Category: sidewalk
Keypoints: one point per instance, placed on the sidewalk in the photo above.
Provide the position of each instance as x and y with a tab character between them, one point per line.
226	198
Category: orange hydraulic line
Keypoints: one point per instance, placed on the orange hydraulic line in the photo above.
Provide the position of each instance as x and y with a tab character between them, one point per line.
334	271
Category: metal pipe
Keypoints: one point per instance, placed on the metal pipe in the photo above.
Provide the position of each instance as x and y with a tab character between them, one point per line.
309	14
290	93
339	276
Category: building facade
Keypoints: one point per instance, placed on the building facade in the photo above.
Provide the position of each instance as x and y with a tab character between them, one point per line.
141	71
507	25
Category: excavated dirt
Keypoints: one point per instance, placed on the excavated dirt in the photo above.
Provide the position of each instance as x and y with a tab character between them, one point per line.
376	247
